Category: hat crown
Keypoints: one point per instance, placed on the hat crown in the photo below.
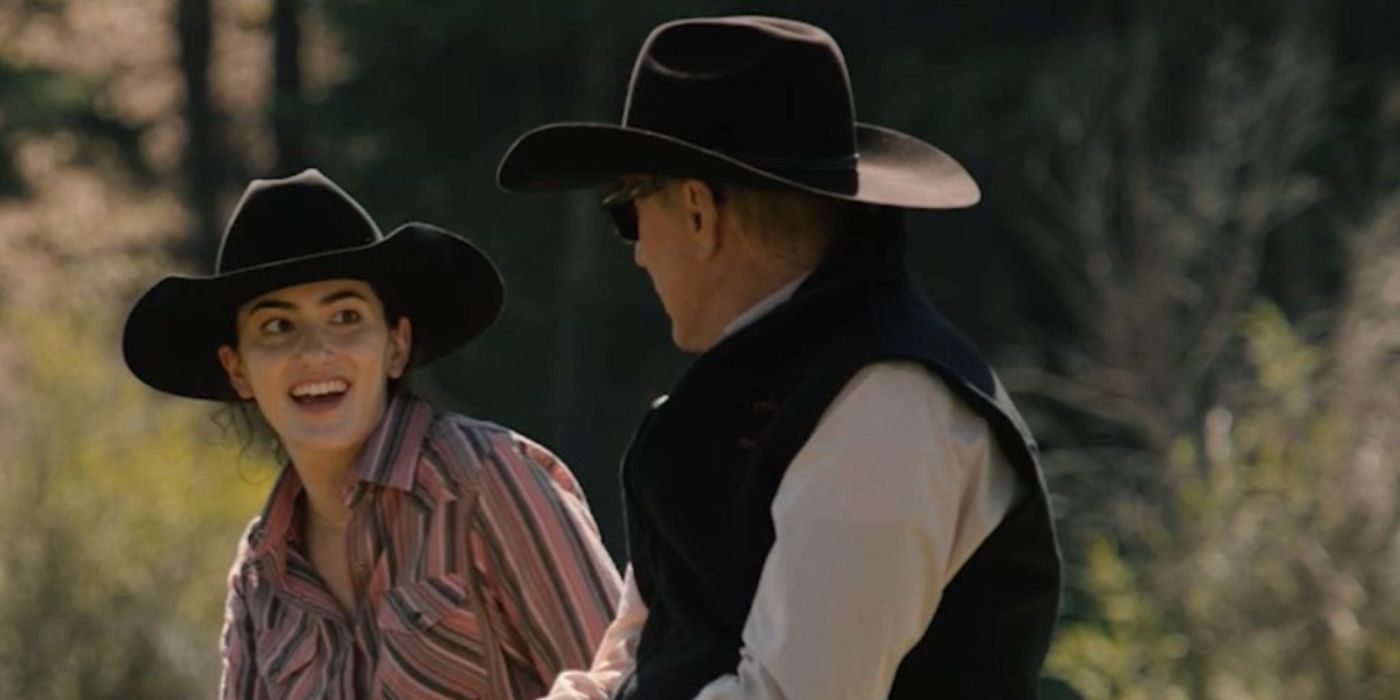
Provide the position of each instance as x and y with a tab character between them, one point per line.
294	217
770	91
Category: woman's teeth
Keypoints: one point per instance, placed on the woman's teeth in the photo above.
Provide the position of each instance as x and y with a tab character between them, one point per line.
314	389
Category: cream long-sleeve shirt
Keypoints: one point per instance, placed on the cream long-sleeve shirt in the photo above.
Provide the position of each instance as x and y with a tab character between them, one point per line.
861	553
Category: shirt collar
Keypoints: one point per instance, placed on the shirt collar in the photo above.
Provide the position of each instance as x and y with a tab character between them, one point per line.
389	458
275	526
768	303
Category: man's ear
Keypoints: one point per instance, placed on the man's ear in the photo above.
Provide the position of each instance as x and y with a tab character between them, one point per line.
400	347
237	373
702	216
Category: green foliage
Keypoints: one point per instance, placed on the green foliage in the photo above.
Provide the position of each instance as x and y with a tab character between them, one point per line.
121	511
1128	652
1247	578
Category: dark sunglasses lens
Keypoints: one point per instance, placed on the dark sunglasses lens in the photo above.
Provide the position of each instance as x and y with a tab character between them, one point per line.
624	217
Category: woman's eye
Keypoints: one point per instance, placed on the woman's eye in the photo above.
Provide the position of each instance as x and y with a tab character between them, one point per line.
275	326
346	316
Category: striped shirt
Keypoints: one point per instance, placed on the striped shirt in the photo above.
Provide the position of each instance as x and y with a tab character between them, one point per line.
479	571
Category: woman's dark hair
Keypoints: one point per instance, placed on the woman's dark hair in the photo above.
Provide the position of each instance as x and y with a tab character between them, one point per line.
245	421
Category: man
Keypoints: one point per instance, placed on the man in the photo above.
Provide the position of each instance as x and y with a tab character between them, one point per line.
837	500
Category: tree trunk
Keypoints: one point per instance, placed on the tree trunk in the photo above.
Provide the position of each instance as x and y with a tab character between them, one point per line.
193	22
287	97
578	280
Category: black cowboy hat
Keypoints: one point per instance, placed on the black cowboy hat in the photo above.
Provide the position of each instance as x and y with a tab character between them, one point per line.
301	229
757	100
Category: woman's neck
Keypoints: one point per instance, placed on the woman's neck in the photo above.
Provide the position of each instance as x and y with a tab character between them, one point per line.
325	478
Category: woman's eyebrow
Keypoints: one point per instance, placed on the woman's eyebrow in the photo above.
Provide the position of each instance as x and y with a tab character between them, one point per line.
342	294
331	298
271	304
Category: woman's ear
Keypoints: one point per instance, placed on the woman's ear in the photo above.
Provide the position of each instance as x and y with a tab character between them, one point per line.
400	347
237	374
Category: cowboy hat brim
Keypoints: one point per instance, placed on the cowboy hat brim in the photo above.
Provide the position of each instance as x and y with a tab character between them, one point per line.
893	169
448	289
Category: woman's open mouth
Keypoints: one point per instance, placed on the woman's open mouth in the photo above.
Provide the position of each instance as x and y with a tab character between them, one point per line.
322	394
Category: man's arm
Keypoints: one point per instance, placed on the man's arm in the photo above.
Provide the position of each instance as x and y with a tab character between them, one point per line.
898	485
617	653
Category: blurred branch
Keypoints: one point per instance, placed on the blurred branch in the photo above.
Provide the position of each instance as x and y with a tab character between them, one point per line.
1155	254
1111	396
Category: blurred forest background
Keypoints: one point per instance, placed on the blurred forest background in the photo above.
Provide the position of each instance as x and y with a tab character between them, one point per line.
1186	265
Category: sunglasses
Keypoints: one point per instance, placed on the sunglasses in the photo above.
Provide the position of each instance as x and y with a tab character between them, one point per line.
619	204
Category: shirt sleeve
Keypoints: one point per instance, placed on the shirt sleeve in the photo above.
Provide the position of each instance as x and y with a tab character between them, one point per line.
240	679
617	653
898	485
556	580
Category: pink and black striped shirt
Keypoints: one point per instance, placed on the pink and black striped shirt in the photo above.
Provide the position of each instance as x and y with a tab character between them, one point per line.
479	569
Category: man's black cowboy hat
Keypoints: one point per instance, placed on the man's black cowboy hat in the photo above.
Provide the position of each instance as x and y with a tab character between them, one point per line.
301	229
758	100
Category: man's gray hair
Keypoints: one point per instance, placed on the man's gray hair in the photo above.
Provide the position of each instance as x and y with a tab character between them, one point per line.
794	225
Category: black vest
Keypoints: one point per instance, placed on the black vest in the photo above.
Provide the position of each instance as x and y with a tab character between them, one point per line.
704	466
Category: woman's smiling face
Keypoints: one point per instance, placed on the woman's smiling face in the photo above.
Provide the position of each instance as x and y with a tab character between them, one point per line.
317	359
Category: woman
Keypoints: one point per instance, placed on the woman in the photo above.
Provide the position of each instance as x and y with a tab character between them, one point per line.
404	552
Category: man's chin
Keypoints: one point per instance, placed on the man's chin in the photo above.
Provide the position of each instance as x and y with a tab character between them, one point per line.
687	343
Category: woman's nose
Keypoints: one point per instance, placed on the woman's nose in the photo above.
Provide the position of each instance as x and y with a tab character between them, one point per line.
313	341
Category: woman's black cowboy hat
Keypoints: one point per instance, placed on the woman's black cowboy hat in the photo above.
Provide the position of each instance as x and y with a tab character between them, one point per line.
301	229
757	100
